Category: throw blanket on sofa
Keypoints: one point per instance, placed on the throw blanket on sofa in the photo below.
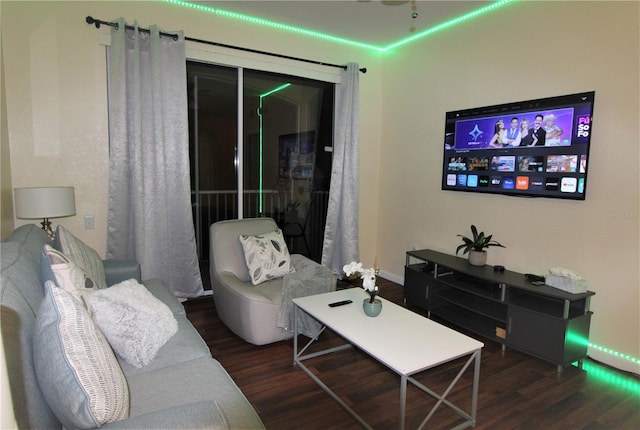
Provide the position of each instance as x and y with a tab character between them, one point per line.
307	280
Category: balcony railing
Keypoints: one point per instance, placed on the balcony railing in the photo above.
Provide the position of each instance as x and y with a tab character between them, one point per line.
212	206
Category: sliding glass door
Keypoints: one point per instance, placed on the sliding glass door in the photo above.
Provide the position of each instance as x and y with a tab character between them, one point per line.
260	146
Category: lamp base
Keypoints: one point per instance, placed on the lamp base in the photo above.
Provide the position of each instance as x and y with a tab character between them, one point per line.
46	226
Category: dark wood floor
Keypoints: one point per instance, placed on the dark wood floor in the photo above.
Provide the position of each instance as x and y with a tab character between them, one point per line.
516	391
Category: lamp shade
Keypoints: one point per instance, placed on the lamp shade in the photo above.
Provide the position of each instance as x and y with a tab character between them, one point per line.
44	202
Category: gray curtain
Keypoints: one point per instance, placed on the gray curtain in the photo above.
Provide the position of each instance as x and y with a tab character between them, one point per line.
341	244
150	217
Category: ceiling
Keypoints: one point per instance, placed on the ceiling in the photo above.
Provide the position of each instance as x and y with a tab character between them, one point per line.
376	22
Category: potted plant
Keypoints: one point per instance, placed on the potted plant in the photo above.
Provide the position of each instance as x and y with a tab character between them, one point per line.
476	246
371	306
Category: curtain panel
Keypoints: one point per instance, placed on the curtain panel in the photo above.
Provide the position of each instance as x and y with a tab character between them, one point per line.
341	236
149	216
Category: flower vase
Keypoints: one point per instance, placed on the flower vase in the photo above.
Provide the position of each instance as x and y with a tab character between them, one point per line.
372	309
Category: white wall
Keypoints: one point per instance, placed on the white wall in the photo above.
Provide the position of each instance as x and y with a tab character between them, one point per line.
55	74
506	57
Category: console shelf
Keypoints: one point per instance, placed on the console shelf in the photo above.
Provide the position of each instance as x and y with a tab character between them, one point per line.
542	321
486	327
472	286
473	303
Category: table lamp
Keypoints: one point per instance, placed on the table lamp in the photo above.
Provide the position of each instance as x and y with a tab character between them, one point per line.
45	203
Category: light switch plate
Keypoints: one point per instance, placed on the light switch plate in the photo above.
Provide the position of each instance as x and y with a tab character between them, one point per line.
89	222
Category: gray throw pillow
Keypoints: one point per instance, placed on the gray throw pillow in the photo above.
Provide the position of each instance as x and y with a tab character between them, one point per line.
57	267
77	371
81	254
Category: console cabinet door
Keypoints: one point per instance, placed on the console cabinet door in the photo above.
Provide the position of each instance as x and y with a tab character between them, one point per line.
416	287
561	341
535	333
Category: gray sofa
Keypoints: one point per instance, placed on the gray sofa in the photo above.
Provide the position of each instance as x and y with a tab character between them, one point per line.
183	387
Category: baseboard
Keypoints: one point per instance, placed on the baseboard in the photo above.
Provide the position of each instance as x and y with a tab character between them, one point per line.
391	277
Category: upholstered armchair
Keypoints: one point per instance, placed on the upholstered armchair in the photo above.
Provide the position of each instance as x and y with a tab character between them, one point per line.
252	311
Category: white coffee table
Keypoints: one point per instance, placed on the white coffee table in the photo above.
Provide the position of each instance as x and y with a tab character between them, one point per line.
404	341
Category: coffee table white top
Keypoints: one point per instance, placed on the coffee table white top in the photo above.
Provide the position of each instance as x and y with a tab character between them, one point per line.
404	341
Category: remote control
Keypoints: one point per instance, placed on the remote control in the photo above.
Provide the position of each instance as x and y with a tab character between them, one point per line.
344	302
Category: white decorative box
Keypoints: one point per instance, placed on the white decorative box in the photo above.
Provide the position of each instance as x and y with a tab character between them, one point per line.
566	280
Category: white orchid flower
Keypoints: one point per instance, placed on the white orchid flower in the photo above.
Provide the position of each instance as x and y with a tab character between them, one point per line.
369	280
352	268
368	276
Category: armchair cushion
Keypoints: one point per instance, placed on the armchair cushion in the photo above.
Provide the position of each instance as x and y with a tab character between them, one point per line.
266	255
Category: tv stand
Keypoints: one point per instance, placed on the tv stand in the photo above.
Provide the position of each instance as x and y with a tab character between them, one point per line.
542	321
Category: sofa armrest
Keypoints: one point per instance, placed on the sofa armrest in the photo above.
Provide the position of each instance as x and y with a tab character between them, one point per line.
201	415
120	270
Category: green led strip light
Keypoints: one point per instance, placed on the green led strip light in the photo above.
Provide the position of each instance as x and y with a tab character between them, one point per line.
448	24
273	24
341	40
581	341
615	353
260	186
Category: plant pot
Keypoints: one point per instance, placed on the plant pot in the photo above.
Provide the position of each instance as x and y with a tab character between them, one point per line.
372	309
478	258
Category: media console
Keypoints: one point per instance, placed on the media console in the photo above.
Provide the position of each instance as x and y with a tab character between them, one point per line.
505	307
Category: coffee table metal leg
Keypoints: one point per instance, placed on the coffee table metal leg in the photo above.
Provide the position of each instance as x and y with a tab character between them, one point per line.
476	383
295	333
403	400
469	417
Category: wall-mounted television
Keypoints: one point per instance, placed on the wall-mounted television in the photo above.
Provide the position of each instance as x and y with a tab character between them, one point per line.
534	148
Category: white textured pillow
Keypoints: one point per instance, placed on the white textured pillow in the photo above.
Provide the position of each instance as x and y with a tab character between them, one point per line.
81	254
55	266
266	255
79	376
136	324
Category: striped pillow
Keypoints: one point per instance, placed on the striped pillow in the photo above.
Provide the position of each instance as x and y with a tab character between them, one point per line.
77	371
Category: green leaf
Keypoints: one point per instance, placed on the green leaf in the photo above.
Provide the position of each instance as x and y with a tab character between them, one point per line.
478	243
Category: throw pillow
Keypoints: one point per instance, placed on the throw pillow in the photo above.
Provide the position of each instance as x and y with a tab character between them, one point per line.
267	256
81	254
136	323
56	267
77	371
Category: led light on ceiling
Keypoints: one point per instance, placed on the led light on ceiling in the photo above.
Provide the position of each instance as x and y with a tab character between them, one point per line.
337	39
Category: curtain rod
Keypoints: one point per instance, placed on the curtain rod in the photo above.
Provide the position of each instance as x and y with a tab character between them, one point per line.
98	23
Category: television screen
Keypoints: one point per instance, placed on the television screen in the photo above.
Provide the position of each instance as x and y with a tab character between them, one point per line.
534	148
